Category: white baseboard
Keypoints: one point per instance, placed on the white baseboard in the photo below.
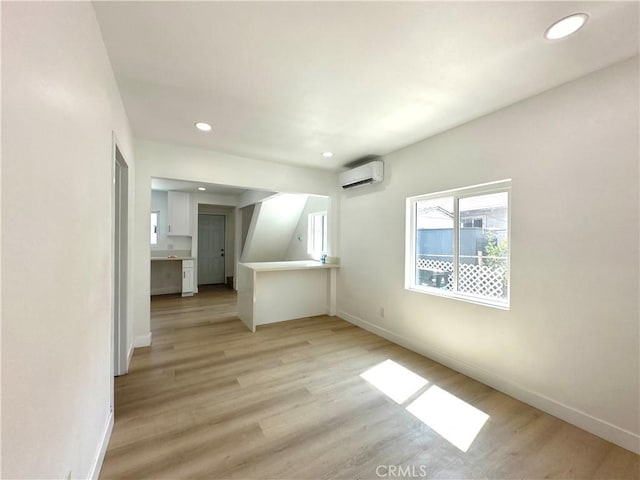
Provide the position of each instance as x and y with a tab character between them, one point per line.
129	355
142	340
102	449
599	427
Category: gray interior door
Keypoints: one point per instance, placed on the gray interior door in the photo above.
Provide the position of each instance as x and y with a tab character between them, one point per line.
211	254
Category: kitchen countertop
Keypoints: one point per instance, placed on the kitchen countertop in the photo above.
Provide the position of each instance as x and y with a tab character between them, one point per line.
291	265
155	259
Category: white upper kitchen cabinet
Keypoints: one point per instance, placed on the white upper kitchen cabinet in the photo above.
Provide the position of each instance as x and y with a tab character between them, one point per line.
179	214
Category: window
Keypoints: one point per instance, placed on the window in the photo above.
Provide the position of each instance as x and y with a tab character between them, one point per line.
154	228
317	238
458	244
472	222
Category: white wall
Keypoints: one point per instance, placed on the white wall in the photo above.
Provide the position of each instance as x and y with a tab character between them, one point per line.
244	216
569	344
60	105
251	197
183	163
273	224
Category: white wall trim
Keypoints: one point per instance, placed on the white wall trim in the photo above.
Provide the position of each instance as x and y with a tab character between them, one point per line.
102	449
599	427
142	340
129	355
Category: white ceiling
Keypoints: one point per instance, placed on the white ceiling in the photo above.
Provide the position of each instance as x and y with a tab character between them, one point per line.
285	81
166	184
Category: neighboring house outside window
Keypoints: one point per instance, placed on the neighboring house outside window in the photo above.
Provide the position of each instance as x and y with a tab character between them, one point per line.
458	244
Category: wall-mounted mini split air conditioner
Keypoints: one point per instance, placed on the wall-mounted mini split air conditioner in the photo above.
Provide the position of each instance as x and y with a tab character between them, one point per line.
367	174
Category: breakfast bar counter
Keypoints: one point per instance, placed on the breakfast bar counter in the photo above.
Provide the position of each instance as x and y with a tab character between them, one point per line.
270	292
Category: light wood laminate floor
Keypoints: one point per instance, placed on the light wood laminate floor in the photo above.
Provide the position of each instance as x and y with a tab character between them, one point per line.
209	399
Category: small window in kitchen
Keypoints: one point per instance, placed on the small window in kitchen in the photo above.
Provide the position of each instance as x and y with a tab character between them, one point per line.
317	238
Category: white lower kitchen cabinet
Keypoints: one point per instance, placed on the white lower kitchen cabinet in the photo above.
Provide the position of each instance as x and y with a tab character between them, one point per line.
188	283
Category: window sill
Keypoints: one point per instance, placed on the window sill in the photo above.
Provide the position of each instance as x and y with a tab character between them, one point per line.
458	296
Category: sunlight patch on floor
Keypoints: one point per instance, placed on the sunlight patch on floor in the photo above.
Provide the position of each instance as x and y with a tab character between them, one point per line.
394	380
452	418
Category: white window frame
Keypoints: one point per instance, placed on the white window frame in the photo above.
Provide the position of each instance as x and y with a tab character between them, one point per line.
410	250
157	214
315	253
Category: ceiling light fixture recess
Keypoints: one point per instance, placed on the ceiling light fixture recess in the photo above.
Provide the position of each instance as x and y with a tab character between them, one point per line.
203	126
202	189
566	26
327	154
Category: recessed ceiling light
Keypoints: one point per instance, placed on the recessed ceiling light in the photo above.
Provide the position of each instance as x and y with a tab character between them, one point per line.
327	154
203	126
566	26
202	189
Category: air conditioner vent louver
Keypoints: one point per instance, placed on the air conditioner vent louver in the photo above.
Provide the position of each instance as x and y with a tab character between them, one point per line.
357	184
